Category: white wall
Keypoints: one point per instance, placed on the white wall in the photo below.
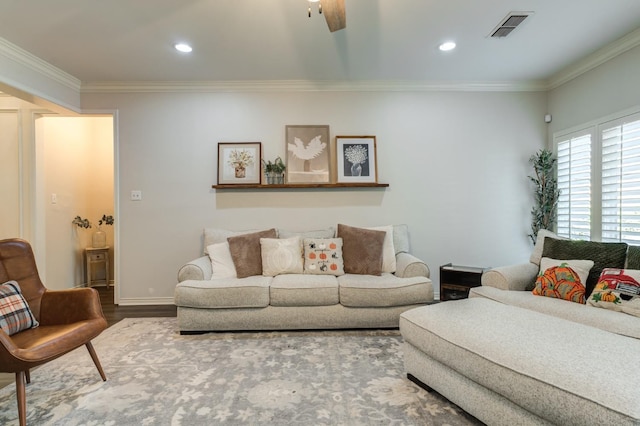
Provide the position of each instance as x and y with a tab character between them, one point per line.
77	160
609	88
457	165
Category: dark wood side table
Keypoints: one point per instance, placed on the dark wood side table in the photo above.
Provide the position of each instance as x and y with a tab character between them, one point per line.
456	280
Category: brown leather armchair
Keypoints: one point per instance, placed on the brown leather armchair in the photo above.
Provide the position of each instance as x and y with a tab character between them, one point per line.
68	319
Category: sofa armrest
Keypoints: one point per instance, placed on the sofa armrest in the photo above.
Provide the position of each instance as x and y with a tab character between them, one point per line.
407	265
512	277
198	269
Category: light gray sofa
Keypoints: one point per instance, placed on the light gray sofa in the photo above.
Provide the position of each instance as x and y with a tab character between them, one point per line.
509	357
300	301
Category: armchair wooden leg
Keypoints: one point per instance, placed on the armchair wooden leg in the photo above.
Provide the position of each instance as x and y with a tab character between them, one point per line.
96	361
27	375
22	397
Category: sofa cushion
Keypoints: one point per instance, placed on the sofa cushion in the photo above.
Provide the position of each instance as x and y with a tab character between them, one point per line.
401	239
215	235
281	256
361	249
15	314
329	232
304	290
618	290
221	262
250	292
385	290
246	252
604	319
563	373
536	254
604	255
323	256
388	250
563	279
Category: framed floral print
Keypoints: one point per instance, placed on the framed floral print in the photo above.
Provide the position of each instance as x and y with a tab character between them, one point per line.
239	163
356	159
308	159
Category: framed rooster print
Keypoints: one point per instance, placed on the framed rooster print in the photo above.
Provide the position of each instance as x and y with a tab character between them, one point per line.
308	159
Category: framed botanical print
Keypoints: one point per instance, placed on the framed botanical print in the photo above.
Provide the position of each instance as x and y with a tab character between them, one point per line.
356	160
239	163
308	159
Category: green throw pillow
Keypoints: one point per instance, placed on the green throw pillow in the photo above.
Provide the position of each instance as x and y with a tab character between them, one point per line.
604	255
633	257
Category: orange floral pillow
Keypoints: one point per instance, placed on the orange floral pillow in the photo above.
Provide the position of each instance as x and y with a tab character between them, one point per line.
563	279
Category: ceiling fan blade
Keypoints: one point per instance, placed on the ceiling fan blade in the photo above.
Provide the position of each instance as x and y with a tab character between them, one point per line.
334	13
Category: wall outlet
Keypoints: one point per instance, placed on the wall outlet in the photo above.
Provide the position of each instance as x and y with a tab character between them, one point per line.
136	195
54	198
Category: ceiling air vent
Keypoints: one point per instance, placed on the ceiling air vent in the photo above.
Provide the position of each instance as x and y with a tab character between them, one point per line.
509	24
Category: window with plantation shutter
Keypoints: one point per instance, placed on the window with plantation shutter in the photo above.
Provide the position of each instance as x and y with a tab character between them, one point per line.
621	180
599	180
574	183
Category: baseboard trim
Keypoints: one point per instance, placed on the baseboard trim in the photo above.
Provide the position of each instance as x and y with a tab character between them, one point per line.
145	301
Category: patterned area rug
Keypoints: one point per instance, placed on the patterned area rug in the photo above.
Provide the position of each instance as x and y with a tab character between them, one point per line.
158	377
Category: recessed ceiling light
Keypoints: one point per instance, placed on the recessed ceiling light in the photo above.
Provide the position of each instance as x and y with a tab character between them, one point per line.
447	46
183	47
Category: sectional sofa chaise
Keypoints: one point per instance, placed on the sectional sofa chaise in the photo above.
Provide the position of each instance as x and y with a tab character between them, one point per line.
507	356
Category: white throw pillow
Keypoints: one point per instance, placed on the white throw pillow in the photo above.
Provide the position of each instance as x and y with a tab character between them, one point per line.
388	250
281	256
221	262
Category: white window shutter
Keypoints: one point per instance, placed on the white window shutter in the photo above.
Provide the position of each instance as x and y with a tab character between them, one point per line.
574	183
621	180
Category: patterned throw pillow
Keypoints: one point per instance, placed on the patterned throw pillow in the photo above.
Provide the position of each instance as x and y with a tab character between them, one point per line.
619	290
15	314
562	279
281	256
323	256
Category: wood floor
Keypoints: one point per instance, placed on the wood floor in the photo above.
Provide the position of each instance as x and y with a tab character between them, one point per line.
114	313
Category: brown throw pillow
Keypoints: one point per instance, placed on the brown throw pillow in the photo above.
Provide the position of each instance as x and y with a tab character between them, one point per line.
246	253
361	250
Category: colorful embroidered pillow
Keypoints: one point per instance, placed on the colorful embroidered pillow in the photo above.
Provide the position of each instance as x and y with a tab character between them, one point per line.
563	279
619	290
15	314
323	256
281	256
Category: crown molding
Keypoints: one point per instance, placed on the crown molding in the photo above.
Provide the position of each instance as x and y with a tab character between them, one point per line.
32	62
597	58
306	86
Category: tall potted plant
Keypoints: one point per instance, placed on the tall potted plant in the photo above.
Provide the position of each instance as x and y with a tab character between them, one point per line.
546	193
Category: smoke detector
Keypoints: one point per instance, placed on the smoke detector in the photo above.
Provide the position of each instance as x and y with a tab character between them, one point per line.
509	23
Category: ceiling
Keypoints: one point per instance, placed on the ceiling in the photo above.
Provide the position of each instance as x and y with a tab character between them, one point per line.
258	40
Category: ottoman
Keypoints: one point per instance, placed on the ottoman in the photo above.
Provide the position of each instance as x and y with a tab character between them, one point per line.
509	365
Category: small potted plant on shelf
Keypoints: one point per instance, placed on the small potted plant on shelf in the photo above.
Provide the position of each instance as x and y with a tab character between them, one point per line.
274	172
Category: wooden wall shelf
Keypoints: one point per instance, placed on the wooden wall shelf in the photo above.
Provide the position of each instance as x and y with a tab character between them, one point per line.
304	186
